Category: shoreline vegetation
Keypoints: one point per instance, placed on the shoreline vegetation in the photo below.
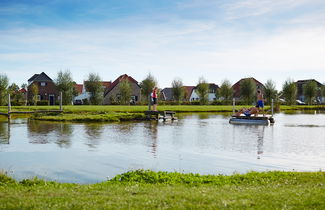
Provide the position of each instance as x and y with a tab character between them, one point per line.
119	113
143	189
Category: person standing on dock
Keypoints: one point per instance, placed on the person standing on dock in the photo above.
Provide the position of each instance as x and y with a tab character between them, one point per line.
260	101
154	98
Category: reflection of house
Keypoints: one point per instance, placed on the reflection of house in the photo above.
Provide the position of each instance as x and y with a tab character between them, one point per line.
236	87
300	90
83	94
112	93
213	88
46	88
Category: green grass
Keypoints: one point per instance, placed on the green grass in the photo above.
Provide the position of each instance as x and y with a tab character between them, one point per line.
152	190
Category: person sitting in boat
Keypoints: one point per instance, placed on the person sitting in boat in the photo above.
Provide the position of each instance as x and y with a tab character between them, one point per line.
248	111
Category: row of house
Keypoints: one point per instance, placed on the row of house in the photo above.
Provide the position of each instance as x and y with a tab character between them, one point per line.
49	92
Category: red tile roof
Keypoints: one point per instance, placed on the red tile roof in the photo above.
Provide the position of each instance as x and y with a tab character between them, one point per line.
118	80
79	88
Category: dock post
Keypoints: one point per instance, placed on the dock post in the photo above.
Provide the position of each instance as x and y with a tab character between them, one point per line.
233	105
9	106
60	101
272	106
149	102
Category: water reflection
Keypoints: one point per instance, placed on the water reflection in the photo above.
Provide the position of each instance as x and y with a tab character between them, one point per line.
4	133
40	132
93	133
151	128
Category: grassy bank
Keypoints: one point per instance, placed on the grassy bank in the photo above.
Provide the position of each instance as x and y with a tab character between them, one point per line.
124	113
151	190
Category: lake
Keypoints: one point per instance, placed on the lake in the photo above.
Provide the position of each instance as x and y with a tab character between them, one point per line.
199	143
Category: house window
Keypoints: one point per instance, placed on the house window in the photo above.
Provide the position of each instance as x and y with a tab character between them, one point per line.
38	97
43	84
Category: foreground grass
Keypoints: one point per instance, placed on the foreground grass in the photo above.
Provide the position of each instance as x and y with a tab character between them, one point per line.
151	190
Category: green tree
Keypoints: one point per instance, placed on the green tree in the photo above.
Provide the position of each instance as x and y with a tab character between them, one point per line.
310	91
34	90
248	90
270	91
225	91
94	87
64	84
147	86
4	82
177	90
15	95
289	91
125	91
202	89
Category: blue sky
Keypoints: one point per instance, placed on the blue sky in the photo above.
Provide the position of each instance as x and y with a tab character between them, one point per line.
188	39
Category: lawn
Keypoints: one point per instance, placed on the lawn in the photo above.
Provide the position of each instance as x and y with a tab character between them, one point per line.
152	190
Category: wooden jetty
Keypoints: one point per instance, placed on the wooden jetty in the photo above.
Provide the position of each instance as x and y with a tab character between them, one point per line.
164	115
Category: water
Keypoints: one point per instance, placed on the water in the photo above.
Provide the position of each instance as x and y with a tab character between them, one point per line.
198	143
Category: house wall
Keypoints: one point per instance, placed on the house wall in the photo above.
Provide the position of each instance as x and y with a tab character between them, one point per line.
195	96
135	91
44	91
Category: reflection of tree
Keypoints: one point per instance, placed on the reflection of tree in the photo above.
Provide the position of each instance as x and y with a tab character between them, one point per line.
260	140
4	132
41	133
64	134
94	132
152	128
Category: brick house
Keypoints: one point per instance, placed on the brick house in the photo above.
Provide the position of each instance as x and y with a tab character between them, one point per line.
112	93
46	88
236	87
300	90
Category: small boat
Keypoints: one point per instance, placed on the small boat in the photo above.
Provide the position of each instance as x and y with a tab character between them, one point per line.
252	120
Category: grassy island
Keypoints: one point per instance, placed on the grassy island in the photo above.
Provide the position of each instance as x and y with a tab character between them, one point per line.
128	113
151	190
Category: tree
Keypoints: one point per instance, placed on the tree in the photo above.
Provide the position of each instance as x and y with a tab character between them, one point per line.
202	89
270	91
94	86
147	85
289	91
4	81
310	91
248	90
225	91
177	90
15	95
65	85
34	90
125	91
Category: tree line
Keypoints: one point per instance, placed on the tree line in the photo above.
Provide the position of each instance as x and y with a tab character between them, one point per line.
224	94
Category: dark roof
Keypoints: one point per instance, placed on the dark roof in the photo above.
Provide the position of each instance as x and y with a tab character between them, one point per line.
40	78
308	80
167	94
118	80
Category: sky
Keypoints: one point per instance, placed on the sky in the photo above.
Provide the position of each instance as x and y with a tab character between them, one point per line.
170	39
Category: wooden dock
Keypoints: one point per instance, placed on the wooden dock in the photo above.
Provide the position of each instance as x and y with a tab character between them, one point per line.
164	115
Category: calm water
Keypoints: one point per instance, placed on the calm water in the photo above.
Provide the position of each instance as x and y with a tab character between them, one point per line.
199	143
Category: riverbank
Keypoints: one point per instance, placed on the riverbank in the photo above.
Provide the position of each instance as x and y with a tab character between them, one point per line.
152	190
128	113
